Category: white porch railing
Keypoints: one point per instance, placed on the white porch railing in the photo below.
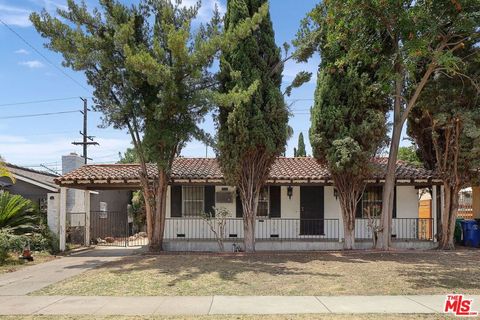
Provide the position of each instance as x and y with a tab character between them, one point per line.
295	229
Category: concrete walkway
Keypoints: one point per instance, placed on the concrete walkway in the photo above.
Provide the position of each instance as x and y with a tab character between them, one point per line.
75	305
38	276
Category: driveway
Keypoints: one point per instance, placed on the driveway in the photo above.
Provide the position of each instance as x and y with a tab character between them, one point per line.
29	279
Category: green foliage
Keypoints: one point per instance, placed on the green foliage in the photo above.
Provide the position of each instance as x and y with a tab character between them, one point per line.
254	122
17	214
300	150
150	71
409	155
348	121
129	156
9	242
4	172
449	101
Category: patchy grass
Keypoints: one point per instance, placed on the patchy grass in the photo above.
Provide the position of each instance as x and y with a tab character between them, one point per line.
13	263
242	317
338	273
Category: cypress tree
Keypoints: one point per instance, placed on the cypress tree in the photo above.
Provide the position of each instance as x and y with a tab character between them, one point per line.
300	151
253	116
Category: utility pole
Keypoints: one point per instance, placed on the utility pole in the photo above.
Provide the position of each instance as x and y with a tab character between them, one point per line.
85	143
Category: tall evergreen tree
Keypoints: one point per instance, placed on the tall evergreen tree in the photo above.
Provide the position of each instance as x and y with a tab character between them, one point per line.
253	116
348	119
300	151
150	73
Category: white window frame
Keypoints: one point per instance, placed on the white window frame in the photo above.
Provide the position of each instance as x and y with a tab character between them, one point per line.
184	200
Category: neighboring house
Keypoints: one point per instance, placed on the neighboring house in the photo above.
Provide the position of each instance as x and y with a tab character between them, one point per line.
298	208
30	184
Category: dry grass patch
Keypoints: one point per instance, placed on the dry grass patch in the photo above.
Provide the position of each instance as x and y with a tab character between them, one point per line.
242	317
349	273
13	263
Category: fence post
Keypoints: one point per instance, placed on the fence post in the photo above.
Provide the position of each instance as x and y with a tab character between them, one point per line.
87	217
63	218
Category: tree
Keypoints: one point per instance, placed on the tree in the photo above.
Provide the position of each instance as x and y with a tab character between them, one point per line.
404	36
300	150
252	118
4	172
409	155
150	73
129	156
348	119
448	117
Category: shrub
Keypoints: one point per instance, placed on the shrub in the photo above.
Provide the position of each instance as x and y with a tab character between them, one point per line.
10	242
18	214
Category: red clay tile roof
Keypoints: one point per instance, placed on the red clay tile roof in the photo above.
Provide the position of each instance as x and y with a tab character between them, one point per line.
302	168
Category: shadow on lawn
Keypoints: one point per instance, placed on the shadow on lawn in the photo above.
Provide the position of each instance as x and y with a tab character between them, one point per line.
452	271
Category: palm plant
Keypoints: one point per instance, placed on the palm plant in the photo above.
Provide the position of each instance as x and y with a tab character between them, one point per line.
17	214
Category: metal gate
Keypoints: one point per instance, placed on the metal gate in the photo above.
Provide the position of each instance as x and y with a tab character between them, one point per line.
112	228
75	229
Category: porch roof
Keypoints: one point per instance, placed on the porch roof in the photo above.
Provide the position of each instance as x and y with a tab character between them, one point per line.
300	170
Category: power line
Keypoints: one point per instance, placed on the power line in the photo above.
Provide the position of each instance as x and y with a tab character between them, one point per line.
36	101
43	56
38	114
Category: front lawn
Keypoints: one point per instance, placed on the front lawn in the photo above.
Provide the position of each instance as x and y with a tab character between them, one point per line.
241	317
13	263
335	273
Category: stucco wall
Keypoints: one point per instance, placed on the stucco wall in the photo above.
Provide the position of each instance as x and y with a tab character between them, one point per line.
407	202
290	208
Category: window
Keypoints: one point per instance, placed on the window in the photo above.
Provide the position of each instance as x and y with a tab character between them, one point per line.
192	204
371	202
263	202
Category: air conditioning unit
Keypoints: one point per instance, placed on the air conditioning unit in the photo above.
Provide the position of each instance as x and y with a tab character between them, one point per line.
223	197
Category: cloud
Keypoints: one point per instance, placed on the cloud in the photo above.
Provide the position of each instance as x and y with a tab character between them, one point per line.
15	16
207	8
22	51
20	150
32	64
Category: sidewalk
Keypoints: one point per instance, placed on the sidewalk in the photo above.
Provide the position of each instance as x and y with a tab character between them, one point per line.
36	277
210	305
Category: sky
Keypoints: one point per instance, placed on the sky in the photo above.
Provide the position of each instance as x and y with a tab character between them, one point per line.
29	72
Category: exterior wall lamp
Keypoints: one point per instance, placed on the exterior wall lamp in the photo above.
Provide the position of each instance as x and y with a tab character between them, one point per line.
289	192
335	193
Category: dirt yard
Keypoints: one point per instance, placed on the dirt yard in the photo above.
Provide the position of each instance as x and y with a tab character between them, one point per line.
349	273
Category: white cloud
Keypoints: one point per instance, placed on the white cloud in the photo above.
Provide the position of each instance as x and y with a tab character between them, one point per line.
15	16
20	150
22	51
207	8
11	139
33	64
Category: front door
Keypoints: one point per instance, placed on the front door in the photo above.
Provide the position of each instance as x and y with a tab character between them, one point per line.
311	210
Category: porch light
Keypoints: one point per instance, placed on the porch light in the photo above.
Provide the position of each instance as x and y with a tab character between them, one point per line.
335	193
289	192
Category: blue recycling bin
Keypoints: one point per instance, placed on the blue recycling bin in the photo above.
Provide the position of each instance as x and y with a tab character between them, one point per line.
471	233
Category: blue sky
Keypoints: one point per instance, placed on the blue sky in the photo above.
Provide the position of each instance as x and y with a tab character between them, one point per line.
26	76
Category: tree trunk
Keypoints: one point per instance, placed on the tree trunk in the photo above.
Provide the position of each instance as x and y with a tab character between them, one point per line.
385	230
156	243
249	202
449	216
348	203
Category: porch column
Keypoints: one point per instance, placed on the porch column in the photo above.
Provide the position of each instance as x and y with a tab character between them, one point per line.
62	218
87	217
433	213
476	202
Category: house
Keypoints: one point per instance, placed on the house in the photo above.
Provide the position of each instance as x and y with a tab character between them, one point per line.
298	207
31	184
